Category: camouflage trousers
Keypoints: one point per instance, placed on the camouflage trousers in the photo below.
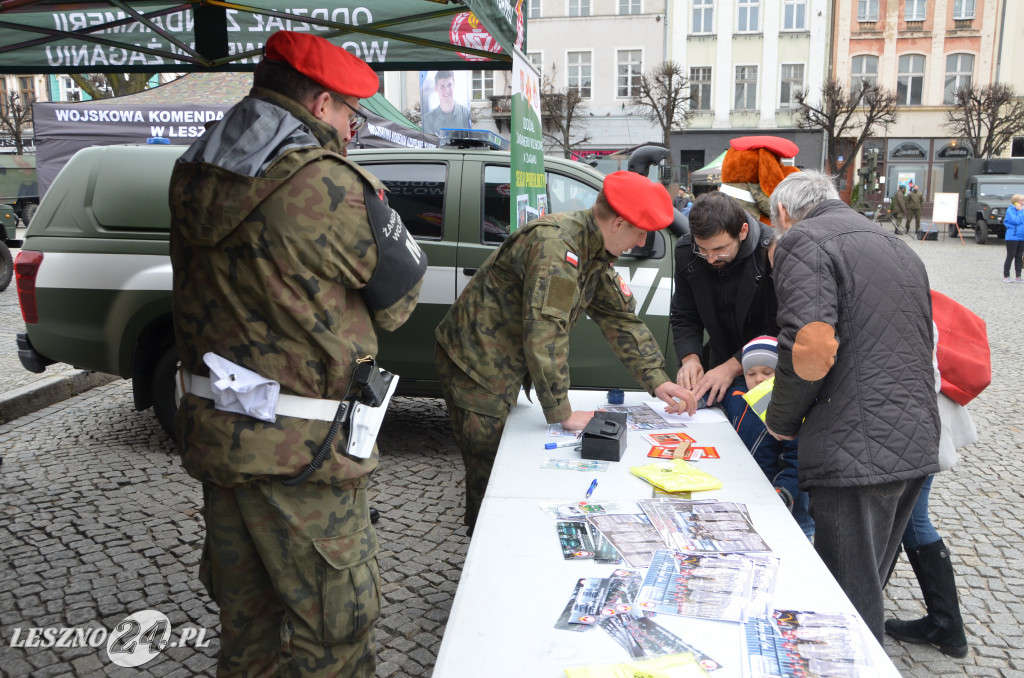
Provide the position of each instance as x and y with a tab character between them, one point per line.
478	419
294	571
912	216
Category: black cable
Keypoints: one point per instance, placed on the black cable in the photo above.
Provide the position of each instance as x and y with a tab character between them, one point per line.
325	447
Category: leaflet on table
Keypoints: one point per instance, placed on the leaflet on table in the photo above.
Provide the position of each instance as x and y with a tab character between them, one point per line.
605	596
703	526
671	666
707	415
578	510
668	439
581	540
715	587
631	534
643	637
791	644
551	463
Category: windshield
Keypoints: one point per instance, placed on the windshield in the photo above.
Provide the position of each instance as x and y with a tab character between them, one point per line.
999	191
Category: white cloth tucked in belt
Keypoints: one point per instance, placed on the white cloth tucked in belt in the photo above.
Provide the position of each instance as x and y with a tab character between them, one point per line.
738	193
243	391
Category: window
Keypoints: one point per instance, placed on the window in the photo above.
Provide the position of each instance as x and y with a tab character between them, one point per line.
482	84
579	73
747	14
746	88
564	194
416	192
628	72
703	15
791	83
27	91
867	10
579	7
3	95
914	10
794	15
963	10
532	9
71	91
910	80
537	59
959	70
630	7
865	70
700	88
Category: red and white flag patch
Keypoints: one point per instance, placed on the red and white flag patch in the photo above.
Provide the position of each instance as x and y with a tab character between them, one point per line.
626	292
572	259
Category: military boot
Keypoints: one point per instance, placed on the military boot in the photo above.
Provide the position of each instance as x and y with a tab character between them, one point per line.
943	626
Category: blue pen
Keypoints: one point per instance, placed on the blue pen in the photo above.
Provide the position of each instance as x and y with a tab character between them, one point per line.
590	490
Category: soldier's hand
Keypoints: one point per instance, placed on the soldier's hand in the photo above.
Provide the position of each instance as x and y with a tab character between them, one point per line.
679	400
715	382
578	420
690	372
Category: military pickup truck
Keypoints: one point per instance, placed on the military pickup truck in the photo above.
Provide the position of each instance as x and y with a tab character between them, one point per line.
985	186
94	275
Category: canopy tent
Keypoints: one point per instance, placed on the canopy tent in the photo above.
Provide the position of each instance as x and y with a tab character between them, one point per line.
52	36
178	111
708	175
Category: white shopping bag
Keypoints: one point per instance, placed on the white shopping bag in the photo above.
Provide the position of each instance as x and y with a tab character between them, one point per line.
238	389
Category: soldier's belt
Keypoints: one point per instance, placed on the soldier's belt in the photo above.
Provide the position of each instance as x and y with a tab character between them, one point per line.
287	405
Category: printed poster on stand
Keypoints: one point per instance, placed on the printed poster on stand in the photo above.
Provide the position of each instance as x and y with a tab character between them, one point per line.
528	185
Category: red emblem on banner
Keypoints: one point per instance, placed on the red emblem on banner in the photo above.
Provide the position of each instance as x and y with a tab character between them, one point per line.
467	31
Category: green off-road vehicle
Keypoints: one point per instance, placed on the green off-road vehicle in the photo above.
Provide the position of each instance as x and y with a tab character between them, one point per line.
94	276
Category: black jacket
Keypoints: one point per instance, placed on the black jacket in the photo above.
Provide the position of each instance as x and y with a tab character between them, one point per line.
734	304
848	289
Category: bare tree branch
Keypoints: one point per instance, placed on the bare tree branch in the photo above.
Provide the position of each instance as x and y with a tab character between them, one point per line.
106	85
15	119
662	96
848	118
986	117
564	112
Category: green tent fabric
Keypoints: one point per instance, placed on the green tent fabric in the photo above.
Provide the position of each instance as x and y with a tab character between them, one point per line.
714	165
382	107
113	36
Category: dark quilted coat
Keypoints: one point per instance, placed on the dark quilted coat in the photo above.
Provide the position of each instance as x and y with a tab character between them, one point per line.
872	417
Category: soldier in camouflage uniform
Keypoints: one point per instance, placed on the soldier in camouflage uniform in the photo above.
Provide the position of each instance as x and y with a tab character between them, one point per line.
510	327
899	210
914	202
285	259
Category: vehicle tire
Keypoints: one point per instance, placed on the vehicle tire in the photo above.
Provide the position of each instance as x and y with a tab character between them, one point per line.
6	266
165	405
981	232
952	231
28	212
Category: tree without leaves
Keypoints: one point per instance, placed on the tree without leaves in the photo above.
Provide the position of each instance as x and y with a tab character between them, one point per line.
662	96
15	119
848	118
106	85
986	117
563	112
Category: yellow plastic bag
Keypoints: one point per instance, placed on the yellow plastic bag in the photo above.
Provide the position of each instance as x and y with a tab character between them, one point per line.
670	666
678	476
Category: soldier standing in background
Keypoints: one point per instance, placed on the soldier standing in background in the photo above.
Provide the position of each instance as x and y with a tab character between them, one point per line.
899	210
510	327
914	202
286	257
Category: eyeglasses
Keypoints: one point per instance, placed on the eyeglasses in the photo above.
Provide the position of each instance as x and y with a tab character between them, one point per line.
710	257
354	123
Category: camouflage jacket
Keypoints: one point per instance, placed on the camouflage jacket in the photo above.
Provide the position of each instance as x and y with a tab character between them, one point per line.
899	203
512	321
914	201
272	247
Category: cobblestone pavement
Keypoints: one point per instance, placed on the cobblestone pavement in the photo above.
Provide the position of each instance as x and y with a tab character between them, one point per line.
99	521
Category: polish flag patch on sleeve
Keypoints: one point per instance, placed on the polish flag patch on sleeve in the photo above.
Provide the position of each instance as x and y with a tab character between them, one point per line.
572	259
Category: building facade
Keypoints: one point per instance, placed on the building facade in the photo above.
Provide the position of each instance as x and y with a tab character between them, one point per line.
746	60
922	50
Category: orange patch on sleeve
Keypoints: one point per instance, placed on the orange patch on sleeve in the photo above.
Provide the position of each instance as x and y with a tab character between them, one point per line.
814	351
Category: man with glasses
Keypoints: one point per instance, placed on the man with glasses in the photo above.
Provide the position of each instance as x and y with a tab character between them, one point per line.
286	258
724	287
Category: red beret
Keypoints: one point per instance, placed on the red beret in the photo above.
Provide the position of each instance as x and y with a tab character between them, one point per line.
334	67
784	148
638	200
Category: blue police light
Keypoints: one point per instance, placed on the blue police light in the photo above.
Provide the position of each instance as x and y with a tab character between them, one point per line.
158	140
470	138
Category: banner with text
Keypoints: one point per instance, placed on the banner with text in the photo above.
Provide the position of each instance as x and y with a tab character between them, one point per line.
529	191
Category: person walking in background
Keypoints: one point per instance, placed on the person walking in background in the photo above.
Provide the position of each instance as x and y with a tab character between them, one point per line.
914	202
899	210
1014	223
864	406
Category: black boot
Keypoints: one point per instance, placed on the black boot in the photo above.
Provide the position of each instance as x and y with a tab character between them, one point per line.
942	627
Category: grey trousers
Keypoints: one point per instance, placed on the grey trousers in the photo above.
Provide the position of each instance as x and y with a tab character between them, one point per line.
857	532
